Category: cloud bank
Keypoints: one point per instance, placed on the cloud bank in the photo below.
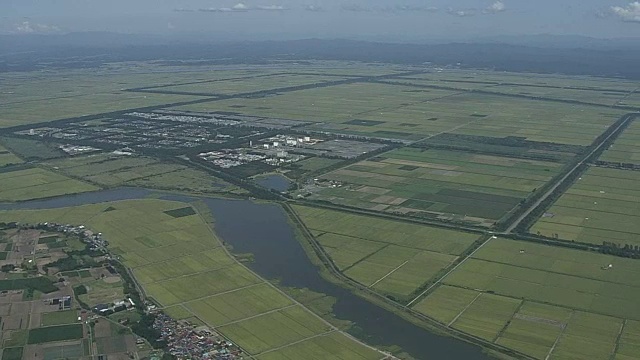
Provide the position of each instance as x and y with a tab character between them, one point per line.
630	13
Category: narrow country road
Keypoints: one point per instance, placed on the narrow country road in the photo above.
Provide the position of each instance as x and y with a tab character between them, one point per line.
615	132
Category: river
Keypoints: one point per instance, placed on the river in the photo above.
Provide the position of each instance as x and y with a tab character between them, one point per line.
264	230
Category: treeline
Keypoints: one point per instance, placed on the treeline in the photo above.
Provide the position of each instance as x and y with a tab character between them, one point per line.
626	250
511	146
618	165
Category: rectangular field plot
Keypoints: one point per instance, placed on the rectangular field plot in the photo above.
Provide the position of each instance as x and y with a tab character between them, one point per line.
345	251
629	343
181	266
594	96
7	158
439	183
600	206
414	113
393	257
626	148
237	305
588	336
487	316
59	318
201	285
534	329
273	330
55	333
446	303
325	347
38	183
564	277
479	77
226	87
386	231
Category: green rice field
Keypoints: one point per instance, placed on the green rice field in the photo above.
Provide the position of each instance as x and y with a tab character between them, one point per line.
541	300
626	148
8	158
600	206
114	170
38	183
414	113
439	183
227	87
393	257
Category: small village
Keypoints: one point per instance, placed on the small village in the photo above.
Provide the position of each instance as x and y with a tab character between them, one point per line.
186	341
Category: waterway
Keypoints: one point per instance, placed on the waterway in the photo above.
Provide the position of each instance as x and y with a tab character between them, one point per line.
274	182
264	230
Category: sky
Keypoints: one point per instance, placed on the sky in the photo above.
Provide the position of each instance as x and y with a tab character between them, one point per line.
357	19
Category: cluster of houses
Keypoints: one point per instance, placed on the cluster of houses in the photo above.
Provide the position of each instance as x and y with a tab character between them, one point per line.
186	342
94	240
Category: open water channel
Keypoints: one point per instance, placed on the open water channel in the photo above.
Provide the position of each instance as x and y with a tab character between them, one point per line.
264	230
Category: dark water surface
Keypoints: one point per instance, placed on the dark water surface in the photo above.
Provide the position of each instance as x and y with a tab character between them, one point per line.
274	182
264	230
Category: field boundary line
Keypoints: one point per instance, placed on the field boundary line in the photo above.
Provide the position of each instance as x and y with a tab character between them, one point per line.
465	309
364	258
506	325
382	242
616	346
257	315
191	274
555	343
214	295
552	272
296	342
437	282
390	272
168	260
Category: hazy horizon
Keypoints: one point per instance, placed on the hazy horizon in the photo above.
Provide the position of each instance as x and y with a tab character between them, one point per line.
378	19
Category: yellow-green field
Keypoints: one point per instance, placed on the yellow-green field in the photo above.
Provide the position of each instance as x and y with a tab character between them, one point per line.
439	183
227	87
541	300
393	257
180	263
626	148
413	113
601	206
38	183
115	170
8	158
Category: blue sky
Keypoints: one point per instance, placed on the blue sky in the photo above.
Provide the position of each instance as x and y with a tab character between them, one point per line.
384	19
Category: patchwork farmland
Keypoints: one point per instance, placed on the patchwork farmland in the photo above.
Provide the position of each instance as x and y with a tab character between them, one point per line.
544	301
439	184
601	206
392	257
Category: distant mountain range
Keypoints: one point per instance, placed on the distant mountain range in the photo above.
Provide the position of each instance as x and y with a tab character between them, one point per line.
540	53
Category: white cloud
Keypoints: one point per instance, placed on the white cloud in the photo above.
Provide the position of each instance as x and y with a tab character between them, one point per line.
315	8
629	13
272	8
355	8
170	26
240	7
26	27
461	12
496	7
